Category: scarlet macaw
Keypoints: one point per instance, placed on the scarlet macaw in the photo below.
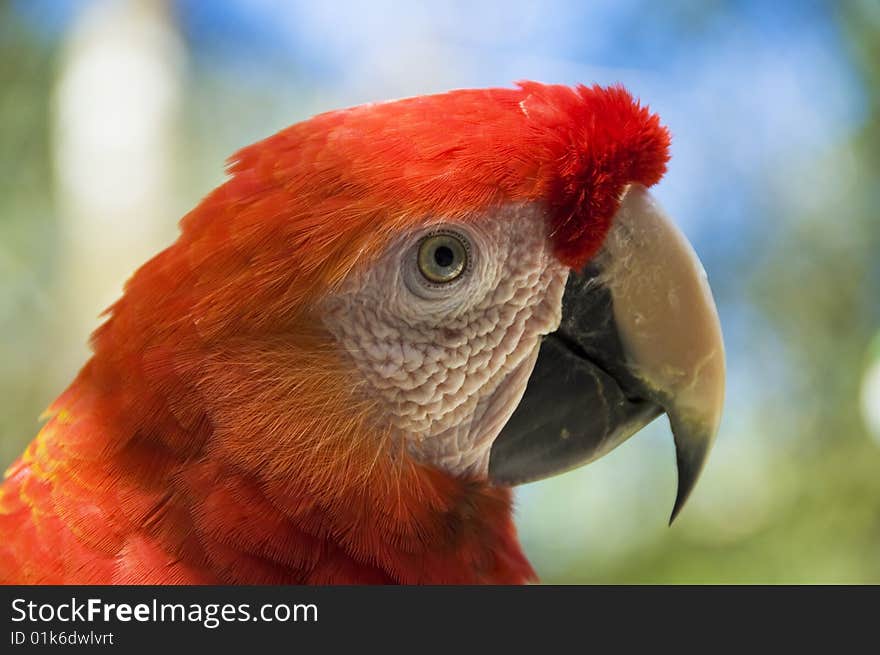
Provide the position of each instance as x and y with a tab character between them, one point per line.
382	320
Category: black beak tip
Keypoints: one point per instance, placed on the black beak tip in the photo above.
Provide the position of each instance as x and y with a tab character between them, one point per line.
680	499
692	448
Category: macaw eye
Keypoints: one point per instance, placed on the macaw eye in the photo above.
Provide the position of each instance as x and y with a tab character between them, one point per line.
443	256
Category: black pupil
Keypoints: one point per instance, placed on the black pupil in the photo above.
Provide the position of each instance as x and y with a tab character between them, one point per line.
444	256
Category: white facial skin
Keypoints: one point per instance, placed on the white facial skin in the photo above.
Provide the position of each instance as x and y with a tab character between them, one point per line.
449	362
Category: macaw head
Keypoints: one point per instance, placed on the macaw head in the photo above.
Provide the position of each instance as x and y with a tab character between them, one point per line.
475	284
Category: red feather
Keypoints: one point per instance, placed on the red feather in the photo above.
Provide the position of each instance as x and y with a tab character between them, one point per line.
218	436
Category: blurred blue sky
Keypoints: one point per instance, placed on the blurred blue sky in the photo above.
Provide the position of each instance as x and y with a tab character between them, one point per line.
748	84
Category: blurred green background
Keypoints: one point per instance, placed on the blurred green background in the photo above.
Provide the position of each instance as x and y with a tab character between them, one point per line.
116	117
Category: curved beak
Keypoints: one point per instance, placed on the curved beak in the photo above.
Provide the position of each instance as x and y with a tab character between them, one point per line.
639	337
